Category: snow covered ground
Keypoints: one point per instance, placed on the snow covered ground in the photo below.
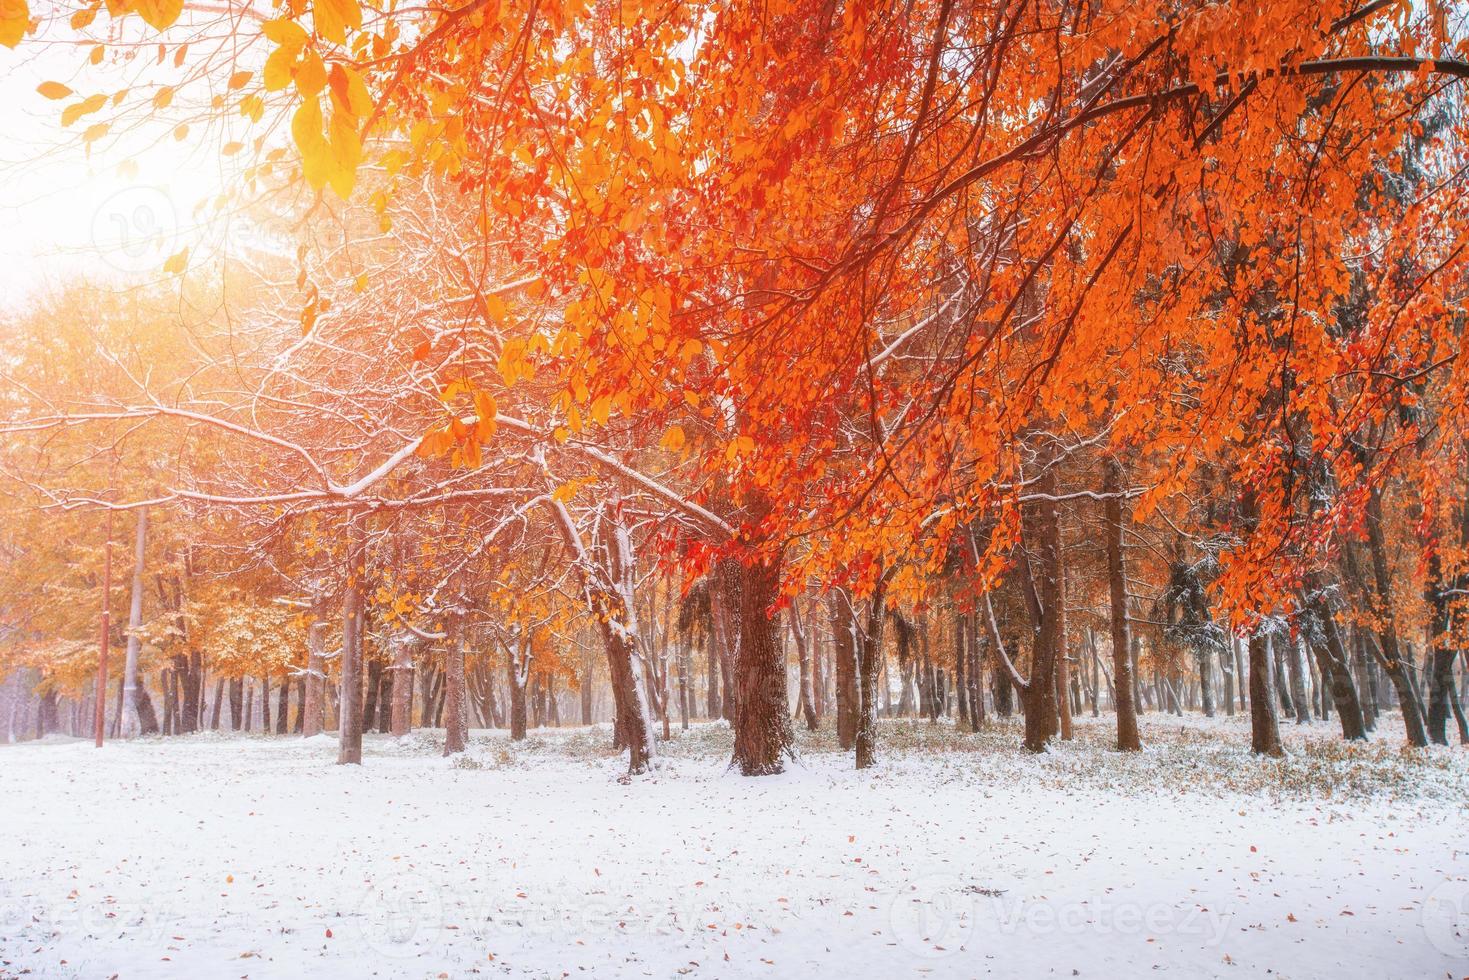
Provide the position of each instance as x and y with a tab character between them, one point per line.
238	856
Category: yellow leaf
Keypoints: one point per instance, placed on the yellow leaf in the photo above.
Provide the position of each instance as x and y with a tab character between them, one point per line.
286	33
176	262
310	75
77	110
315	154
278	65
601	409
495	308
333	17
566	491
15	17
346	153
163	97
53	90
358	100
94	132
673	439
239	79
96	56
159	14
231	148
485	412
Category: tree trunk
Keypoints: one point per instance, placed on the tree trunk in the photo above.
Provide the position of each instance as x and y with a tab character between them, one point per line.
726	638
763	736
1124	685
818	671
315	680
283	706
1334	663
1295	657
456	717
1392	655
869	660
1264	724
237	703
844	643
137	714
1041	584
518	669
961	671
712	698
349	712
803	655
1059	640
1226	669
976	676
586	690
402	686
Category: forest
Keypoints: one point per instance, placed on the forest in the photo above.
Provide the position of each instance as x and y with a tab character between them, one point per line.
777	412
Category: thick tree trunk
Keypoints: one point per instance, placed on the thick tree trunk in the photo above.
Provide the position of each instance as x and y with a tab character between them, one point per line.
1334	663
869	662
844	643
763	735
456	716
518	669
1124	685
1264	724
1041	582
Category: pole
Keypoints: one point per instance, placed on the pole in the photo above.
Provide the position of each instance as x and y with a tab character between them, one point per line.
100	721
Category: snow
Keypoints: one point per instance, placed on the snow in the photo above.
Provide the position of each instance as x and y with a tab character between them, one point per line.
239	856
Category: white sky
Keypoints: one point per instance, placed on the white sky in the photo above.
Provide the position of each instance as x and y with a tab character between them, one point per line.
115	214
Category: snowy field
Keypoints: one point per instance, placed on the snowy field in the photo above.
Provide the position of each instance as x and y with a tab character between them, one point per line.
239	856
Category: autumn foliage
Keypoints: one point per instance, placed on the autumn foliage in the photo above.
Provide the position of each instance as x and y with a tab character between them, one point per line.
842	295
